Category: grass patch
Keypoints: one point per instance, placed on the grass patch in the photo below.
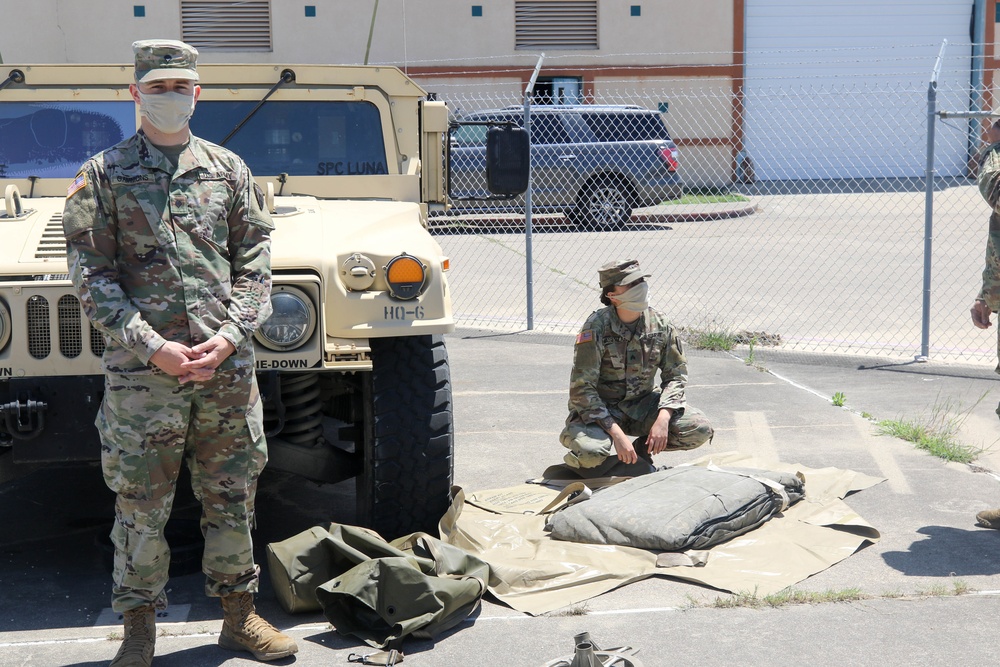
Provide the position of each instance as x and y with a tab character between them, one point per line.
792	597
573	610
937	434
961	588
940	443
713	335
788	597
712	340
706	196
838	399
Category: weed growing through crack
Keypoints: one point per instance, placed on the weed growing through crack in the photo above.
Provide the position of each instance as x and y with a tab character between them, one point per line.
936	435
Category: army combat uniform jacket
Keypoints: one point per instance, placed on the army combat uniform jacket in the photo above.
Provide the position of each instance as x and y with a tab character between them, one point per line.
614	368
158	254
989	187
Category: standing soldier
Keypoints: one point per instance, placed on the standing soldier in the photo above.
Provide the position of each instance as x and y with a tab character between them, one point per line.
988	301
169	248
611	394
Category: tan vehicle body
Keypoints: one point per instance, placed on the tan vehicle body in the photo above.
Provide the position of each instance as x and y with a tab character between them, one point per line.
335	235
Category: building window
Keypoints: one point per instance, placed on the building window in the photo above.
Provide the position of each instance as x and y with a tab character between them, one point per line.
477	10
138	11
217	25
310	11
636	10
555	24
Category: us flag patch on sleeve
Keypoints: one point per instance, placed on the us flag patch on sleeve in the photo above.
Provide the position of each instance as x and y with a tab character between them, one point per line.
77	185
585	336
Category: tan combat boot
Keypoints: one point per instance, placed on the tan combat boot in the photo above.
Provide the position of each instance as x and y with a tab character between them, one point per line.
244	630
989	519
140	638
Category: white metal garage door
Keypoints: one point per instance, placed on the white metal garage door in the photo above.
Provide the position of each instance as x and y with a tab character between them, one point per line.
837	89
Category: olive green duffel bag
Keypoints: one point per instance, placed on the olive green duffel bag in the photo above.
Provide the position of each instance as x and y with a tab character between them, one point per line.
375	590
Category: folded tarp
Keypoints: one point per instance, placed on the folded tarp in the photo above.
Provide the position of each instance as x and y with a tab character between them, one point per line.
678	509
534	573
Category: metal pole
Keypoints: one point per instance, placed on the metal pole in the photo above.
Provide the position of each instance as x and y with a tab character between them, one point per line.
529	274
371	31
925	325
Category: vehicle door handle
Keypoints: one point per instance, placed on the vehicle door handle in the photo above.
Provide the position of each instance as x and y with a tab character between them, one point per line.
567	157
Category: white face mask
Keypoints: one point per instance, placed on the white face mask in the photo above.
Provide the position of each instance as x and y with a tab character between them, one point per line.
168	112
635	298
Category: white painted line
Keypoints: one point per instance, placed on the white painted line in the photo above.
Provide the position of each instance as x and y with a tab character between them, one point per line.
732	384
753	436
504	392
800	386
886	462
175	613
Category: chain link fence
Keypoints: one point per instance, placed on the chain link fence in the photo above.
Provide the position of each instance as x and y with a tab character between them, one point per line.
800	224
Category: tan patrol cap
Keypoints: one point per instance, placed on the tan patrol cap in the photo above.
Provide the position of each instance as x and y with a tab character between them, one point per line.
620	272
157	59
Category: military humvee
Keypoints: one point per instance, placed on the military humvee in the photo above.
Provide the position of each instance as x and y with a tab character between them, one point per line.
352	364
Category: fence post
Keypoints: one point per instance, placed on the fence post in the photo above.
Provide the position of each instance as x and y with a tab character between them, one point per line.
925	322
529	92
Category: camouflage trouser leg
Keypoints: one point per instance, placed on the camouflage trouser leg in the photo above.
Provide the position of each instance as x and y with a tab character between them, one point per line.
589	445
148	425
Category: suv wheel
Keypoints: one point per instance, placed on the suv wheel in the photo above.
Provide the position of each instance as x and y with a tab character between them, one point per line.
406	478
602	206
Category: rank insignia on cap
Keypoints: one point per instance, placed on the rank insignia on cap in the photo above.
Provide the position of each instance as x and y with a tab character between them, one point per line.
585	336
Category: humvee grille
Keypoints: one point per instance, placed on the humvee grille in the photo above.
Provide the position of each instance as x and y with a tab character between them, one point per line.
70	323
39	337
70	329
52	245
96	342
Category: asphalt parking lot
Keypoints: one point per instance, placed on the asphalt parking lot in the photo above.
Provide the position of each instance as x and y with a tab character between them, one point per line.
923	592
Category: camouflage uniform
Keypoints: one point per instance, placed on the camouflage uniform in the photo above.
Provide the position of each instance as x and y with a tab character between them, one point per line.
989	187
161	254
613	374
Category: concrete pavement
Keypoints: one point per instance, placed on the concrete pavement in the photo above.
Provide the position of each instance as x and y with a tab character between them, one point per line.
510	401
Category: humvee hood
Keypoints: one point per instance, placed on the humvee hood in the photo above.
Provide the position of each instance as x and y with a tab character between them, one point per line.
308	229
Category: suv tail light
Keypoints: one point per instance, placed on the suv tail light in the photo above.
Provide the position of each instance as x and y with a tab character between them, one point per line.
669	155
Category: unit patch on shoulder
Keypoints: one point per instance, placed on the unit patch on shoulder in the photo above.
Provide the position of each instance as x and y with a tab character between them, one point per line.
585	336
77	185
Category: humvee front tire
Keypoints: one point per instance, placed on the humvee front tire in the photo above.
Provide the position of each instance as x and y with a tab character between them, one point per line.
406	478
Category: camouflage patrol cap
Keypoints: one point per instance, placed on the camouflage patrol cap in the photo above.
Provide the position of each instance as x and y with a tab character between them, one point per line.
157	59
620	272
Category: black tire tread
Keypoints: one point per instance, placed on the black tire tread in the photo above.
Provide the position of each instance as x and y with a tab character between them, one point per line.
409	453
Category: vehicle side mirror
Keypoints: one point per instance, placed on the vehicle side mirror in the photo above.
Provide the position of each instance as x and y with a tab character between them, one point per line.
507	160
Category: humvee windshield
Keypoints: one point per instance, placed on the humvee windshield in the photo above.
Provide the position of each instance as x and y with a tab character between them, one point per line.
52	139
299	138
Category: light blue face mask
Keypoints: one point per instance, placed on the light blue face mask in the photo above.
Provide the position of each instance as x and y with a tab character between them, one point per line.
635	298
168	112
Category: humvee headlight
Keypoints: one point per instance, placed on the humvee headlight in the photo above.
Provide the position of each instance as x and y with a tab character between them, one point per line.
4	325
292	322
406	276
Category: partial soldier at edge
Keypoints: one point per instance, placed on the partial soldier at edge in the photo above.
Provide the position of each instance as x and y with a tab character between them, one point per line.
988	300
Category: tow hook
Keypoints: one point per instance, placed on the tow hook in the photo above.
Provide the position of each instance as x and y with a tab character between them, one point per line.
24	420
